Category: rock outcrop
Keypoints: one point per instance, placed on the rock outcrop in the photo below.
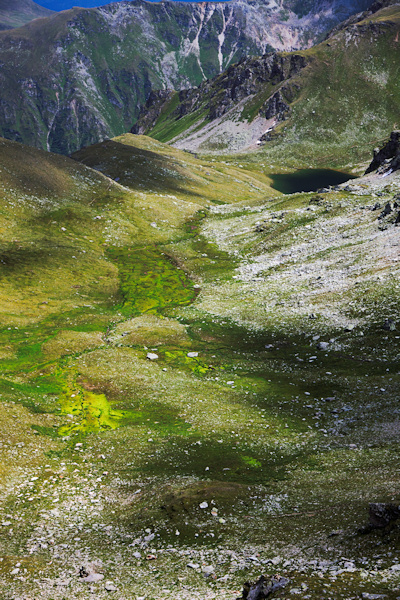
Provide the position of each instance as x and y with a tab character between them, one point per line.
263	588
216	97
387	159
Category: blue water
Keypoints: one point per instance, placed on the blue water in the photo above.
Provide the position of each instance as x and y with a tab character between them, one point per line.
308	180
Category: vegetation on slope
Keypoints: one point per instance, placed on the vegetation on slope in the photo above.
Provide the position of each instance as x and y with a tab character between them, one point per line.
256	438
15	13
81	76
341	102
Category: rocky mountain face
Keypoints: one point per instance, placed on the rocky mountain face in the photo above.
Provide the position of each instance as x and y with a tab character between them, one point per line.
82	75
387	159
15	13
340	92
213	99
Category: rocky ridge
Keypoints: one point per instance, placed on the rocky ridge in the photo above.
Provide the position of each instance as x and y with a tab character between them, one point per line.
387	159
92	69
239	82
297	98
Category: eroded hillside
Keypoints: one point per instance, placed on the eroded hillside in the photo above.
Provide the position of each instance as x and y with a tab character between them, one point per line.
81	76
329	104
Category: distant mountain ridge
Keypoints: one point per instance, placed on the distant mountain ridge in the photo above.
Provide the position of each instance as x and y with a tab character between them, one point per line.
82	75
15	13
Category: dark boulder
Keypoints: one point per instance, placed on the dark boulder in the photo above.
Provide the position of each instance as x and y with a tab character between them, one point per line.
387	159
263	588
382	514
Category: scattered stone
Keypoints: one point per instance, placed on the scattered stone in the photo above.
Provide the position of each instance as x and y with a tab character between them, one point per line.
204	504
323	345
376	206
90	575
192	354
386	211
367	596
193	565
389	325
110	587
263	588
93	577
208	571
335	533
381	514
152	356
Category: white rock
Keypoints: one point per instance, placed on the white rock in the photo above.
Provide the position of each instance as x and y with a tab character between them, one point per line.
152	356
192	354
204	505
110	587
93	578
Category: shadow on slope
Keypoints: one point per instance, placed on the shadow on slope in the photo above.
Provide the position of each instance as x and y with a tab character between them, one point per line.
136	168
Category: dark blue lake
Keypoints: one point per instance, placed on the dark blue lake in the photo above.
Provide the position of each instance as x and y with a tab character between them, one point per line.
308	180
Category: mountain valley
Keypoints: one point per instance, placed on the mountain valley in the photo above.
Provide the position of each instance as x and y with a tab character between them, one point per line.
199	377
199	361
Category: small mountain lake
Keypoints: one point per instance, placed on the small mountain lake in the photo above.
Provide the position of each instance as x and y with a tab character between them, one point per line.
308	180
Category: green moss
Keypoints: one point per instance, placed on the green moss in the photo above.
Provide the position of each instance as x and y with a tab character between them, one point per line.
150	282
93	411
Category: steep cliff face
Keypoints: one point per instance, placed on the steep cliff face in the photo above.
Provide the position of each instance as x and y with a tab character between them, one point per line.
341	94
215	98
82	75
15	13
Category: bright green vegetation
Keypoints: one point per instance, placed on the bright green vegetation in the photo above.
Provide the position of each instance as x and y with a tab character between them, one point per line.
149	281
204	265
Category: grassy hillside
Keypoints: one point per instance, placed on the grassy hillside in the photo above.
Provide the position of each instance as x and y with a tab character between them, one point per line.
264	419
340	103
15	13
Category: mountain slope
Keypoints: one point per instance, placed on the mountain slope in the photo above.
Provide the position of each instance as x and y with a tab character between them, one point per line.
81	76
317	104
15	13
194	367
